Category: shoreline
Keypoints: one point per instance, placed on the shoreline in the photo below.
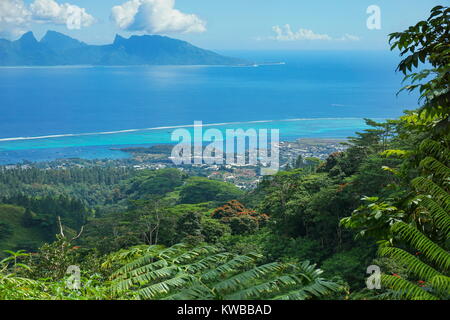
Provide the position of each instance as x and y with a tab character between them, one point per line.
125	152
63	135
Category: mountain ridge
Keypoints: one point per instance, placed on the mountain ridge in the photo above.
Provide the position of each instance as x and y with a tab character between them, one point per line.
57	49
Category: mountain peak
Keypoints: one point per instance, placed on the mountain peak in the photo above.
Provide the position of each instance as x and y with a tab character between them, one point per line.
60	42
59	49
28	37
118	39
54	34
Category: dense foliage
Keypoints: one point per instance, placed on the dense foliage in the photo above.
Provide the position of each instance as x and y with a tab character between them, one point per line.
207	272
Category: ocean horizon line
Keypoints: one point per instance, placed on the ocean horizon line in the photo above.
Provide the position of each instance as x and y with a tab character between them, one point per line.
52	136
93	66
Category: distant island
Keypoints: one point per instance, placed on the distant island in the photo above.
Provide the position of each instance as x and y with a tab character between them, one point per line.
57	49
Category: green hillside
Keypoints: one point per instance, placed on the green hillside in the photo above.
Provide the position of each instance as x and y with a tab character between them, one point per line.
13	234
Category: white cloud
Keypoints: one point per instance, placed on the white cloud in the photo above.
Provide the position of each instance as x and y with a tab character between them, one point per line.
16	16
155	16
349	37
49	11
285	33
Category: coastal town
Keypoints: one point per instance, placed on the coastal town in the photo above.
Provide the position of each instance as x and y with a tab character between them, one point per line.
245	176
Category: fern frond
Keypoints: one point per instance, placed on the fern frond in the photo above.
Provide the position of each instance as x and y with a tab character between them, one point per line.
406	289
173	251
197	252
440	217
437	168
126	255
122	285
156	275
164	287
240	279
148	268
230	266
427	186
270	287
415	266
318	288
307	269
141	265
428	248
208	273
436	150
208	262
441	284
194	292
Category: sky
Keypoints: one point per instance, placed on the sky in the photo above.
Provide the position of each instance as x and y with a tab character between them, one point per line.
222	24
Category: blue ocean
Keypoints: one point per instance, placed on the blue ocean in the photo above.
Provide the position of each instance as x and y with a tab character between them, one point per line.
58	112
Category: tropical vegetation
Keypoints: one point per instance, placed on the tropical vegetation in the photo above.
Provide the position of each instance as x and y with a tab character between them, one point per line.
308	232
